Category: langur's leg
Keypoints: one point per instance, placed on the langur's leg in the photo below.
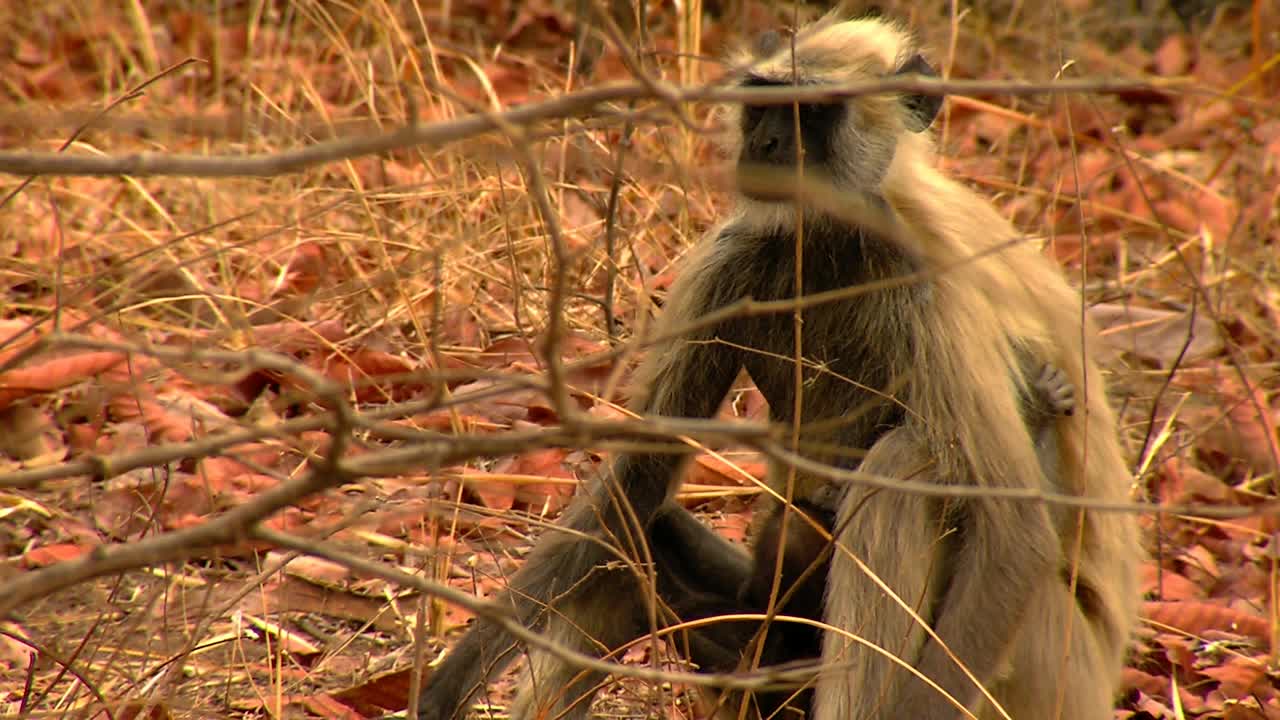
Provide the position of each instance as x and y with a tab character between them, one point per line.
552	688
698	575
549	684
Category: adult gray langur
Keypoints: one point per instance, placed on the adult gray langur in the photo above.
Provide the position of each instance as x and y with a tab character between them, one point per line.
931	379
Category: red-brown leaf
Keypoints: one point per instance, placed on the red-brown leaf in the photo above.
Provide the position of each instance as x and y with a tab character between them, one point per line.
1197	618
48	374
47	555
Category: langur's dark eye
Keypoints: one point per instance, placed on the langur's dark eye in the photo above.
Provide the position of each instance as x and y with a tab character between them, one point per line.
821	115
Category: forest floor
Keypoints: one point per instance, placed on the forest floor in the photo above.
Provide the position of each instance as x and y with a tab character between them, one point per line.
174	346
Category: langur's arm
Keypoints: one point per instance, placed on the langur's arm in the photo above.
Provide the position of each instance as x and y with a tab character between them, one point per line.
1006	551
683	377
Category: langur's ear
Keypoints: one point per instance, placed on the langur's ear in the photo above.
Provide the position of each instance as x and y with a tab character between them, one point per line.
921	109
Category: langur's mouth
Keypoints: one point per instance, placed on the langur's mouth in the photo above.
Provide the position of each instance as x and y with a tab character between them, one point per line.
773	183
770	183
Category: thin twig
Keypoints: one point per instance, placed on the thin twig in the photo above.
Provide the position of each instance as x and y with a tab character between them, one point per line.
578	104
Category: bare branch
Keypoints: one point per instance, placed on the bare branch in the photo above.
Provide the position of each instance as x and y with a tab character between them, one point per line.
578	104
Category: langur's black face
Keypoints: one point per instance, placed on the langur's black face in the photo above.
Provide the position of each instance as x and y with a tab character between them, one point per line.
770	152
830	138
769	133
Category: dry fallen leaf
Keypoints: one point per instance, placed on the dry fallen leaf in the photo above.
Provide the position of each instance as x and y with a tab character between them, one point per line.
1157	336
1197	617
45	374
46	555
1240	676
1167	584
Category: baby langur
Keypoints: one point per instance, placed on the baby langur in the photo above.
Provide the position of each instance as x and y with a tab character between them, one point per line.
924	311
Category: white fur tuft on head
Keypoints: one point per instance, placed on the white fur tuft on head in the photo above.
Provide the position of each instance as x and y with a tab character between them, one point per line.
833	51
